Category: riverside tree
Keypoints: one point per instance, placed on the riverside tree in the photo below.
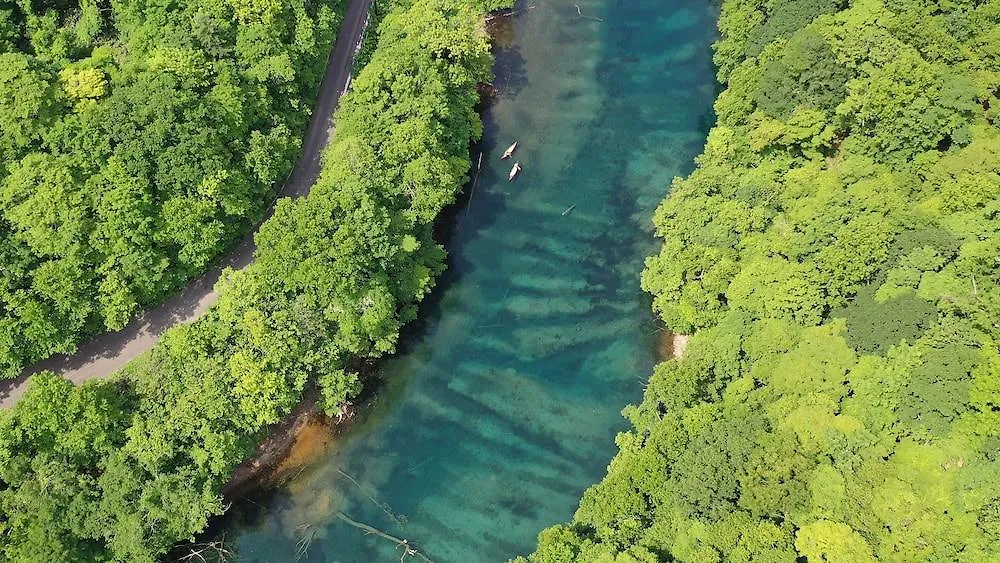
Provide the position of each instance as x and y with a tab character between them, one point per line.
122	469
836	255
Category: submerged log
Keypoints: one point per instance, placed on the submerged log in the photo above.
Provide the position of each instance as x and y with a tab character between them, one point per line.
509	13
408	549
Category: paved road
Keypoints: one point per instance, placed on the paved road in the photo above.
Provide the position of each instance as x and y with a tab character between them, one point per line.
106	353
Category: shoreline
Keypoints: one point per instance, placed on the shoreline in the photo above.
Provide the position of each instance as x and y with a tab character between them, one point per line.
269	463
671	345
306	433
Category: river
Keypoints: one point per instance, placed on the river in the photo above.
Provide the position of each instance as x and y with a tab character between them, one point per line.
504	401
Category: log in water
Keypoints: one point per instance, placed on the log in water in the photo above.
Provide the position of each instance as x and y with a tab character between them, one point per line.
503	404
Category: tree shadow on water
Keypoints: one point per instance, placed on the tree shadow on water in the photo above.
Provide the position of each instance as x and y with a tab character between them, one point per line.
509	70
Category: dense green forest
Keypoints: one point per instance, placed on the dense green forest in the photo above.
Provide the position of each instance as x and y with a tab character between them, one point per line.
836	254
137	140
122	469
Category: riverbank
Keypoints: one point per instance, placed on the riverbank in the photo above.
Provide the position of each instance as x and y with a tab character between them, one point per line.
672	345
503	401
306	434
335	276
288	444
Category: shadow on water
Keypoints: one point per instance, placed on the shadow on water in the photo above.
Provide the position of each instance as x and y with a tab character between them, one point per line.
454	222
503	402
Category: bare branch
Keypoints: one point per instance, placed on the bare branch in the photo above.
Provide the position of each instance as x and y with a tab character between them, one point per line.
509	13
198	551
580	13
479	168
408	549
399	520
302	546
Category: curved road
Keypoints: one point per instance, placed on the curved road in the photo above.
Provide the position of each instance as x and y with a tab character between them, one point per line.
106	353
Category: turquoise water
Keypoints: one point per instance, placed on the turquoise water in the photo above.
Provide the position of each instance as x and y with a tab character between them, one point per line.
503	404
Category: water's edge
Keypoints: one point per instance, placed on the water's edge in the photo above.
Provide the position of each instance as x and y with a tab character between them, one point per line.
504	401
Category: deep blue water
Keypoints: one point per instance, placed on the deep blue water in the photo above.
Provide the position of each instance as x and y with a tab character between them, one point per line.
503	404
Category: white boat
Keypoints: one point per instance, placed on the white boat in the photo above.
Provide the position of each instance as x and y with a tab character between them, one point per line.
509	152
514	172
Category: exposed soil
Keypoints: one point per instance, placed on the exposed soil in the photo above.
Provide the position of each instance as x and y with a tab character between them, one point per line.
306	433
672	345
299	438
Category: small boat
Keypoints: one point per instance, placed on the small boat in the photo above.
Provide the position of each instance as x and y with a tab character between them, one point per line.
514	172
509	152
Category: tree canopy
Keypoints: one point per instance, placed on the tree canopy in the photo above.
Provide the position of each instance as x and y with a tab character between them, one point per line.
835	255
124	468
137	141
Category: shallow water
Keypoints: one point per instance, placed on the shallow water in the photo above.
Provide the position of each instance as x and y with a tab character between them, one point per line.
504	402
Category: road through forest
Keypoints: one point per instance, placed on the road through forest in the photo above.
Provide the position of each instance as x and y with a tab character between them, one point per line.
106	353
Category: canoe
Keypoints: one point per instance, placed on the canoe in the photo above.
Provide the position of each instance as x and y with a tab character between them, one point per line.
509	152
514	172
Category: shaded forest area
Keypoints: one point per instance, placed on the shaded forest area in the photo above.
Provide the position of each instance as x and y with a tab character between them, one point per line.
836	255
137	141
124	468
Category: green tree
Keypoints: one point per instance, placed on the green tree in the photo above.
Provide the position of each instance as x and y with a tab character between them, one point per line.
29	101
835	254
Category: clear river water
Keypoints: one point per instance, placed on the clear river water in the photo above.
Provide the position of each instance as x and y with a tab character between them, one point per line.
503	402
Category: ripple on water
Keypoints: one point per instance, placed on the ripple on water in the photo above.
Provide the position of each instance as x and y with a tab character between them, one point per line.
503	405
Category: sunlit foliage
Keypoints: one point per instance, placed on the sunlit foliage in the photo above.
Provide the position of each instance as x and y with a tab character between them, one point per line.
837	255
137	141
123	469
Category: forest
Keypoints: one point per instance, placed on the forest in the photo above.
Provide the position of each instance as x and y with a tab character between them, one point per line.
123	469
835	255
138	140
